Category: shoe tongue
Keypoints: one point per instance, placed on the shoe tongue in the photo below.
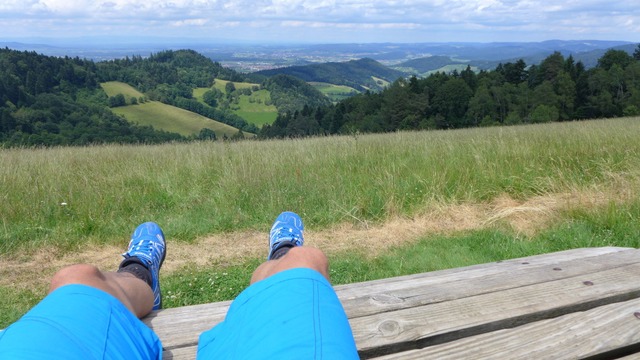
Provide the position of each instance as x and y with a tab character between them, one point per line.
134	260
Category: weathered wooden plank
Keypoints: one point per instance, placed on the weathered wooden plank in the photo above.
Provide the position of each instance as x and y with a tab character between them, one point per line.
387	284
607	331
436	323
180	327
183	353
412	291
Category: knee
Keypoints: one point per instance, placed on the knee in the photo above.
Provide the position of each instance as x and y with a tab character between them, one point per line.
76	274
308	257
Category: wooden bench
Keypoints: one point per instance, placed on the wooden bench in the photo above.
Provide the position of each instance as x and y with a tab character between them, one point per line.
582	303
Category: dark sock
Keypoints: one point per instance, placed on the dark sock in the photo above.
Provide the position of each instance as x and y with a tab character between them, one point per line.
281	251
135	266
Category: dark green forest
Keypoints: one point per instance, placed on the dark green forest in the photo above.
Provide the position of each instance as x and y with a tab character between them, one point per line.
557	89
58	101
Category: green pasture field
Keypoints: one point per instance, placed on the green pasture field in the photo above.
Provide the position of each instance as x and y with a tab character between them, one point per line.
252	108
256	111
204	188
170	118
113	88
162	116
221	84
334	92
198	93
381	82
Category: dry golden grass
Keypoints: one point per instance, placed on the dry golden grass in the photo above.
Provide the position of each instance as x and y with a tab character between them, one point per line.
523	217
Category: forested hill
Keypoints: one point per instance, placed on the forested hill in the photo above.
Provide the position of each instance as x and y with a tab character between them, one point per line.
558	89
183	70
57	101
48	100
290	94
358	74
426	64
170	77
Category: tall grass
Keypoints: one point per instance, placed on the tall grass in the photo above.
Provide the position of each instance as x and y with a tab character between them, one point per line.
68	196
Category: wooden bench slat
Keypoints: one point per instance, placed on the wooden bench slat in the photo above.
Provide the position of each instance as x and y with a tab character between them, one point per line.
407	292
389	284
441	322
179	327
499	266
596	332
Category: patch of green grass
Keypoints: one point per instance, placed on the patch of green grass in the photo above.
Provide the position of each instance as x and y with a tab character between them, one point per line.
381	82
170	118
198	93
334	92
113	88
221	84
197	286
253	108
16	303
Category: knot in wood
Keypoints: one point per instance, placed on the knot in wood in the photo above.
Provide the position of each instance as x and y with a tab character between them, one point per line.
389	328
386	299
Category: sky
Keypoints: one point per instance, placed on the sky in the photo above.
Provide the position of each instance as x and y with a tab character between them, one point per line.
320	21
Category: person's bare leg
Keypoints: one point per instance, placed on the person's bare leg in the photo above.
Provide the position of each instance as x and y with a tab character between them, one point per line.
133	292
296	257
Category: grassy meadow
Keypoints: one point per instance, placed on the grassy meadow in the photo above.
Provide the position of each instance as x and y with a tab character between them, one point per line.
252	107
162	116
334	92
170	118
113	88
580	179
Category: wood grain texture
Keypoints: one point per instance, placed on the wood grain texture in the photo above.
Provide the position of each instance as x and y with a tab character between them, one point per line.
450	320
601	331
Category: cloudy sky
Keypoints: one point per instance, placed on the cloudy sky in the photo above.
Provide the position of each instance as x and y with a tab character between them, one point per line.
323	21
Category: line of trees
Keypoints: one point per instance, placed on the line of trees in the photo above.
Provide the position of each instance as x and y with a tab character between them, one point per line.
558	89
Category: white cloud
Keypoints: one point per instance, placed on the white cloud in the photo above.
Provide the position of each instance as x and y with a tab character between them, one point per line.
190	22
531	18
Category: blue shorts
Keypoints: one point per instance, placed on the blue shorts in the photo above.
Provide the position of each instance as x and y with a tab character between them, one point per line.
79	322
294	314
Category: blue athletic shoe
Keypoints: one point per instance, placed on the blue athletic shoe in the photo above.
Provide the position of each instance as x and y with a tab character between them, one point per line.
147	244
286	231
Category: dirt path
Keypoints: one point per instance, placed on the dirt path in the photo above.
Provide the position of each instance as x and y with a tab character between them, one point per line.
526	217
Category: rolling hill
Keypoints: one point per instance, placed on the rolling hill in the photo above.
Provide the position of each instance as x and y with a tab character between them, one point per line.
358	74
489	56
425	65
